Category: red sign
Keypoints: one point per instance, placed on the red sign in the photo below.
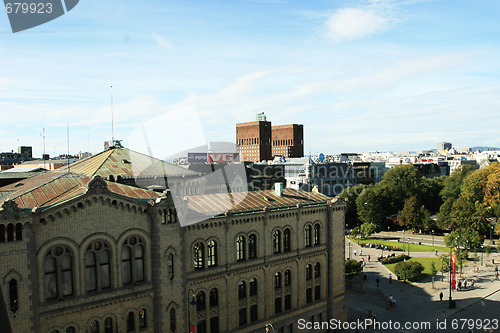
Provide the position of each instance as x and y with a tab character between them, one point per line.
191	329
453	271
221	157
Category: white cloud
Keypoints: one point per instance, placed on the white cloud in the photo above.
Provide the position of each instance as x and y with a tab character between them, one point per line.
355	23
162	42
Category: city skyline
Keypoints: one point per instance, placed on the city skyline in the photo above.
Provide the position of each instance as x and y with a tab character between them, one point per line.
360	75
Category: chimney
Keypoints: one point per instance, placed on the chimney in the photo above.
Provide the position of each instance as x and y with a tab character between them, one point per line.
278	189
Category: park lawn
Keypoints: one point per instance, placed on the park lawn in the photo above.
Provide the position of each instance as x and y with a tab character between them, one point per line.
413	247
426	262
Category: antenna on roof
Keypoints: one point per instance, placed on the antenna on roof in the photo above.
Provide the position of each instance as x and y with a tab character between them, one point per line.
43	156
67	138
112	120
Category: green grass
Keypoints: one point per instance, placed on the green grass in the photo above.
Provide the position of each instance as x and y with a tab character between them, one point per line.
426	262
413	247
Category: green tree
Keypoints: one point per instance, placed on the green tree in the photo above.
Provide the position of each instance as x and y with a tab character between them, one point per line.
409	270
350	194
368	229
352	267
433	269
413	215
372	204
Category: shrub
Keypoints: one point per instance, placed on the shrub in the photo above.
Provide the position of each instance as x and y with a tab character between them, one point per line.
352	267
410	269
392	260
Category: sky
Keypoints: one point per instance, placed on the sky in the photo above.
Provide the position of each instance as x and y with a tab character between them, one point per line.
375	75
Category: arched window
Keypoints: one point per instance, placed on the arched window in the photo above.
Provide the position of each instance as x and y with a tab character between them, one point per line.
133	260
252	246
94	327
2	233
211	253
277	280
317	270
170	265
130	322
142	319
71	329
13	296
97	267
199	256
288	277
253	287
317	234
287	240
307	235
108	325
58	269
240	248
309	272
173	325
242	290
10	232
200	301
19	231
169	216
277	241
214	298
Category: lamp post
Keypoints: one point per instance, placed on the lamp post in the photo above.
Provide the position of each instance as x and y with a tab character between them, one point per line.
403	241
408	246
450	306
491	235
482	254
269	325
432	237
192	302
388	230
349	250
405	270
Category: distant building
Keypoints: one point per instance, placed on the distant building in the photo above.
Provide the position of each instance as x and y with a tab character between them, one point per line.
443	146
24	153
288	140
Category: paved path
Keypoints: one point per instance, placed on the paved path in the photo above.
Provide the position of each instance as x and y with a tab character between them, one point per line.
417	302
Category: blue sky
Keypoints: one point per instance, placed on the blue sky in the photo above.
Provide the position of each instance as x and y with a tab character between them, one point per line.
360	75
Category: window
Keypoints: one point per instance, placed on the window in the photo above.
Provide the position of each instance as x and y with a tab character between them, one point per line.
254	315
2	233
214	325
10	232
277	305
252	246
199	259
277	241
200	301
142	319
277	280
97	267
71	329
242	316
19	231
307	234
317	270
211	253
58	267
13	296
214	298
173	325
288	302
201	327
240	248
253	287
242	290
317	292
309	272
287	241
309	297
130	322
170	266
108	325
317	234
133	260
288	277
94	327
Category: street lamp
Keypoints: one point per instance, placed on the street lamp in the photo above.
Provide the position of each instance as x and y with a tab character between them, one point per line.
388	230
403	241
271	326
349	250
432	237
491	235
408	246
450	306
192	302
405	270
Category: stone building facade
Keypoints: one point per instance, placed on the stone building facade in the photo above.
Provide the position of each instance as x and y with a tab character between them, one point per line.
85	254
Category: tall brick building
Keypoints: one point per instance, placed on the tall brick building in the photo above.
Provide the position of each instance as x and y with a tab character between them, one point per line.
81	252
259	141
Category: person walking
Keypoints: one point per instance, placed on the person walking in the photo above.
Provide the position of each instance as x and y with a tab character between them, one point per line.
459	285
369	258
390	278
378	281
440	296
355	252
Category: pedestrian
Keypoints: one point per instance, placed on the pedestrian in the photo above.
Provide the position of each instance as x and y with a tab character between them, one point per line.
361	252
496	275
393	302
378	281
355	252
472	284
436	252
465	284
369	258
441	296
459	285
390	278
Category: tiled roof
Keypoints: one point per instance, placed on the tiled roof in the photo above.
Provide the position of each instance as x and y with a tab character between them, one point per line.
214	204
56	187
119	161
